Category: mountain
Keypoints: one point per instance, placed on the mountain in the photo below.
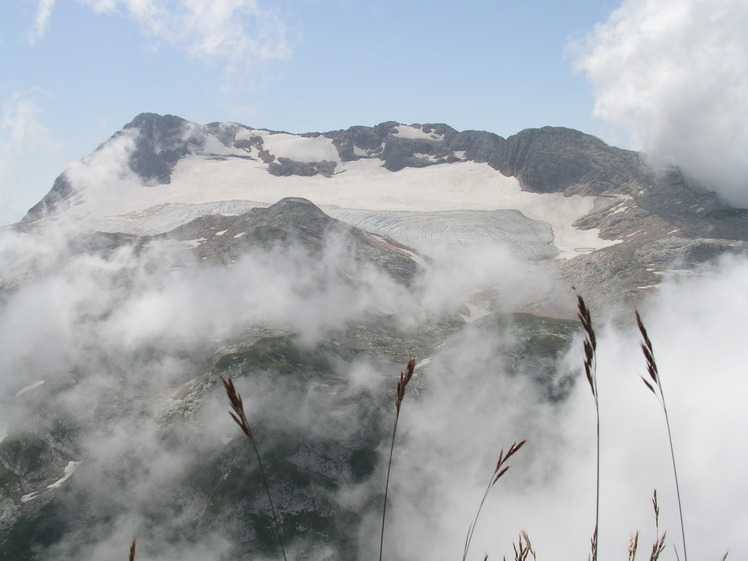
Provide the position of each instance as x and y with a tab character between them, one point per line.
308	268
548	193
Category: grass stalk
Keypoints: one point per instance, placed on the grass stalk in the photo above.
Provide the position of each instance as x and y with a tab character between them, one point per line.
132	550
590	371
633	546
402	383
659	545
523	548
655	386
241	419
501	468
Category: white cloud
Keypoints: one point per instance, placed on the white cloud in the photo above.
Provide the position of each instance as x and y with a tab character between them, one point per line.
240	32
451	431
671	76
41	22
130	319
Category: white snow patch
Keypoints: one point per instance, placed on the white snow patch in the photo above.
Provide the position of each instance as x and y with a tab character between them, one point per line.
245	133
423	362
194	243
199	183
215	146
427	157
69	470
221	233
299	148
416	133
29	387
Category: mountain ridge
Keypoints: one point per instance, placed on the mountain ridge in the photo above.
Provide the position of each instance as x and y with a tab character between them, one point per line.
163	140
166	171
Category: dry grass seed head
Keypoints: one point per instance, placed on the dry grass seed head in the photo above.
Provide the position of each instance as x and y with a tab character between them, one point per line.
523	547
405	377
235	400
501	469
633	545
590	343
658	548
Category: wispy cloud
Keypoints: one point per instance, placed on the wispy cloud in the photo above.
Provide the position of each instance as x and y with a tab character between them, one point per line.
41	22
223	30
237	33
671	77
23	138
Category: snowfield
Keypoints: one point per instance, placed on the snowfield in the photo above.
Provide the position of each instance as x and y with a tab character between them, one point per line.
231	180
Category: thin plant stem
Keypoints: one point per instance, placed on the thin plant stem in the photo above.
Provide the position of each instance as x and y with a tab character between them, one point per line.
387	485
654	374
675	475
241	419
471	528
659	545
405	377
501	468
590	370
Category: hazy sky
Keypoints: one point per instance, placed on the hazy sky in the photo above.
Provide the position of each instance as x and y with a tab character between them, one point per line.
659	75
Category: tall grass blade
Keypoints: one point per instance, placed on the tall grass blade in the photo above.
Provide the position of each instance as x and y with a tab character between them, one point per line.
402	383
241	419
501	468
590	371
654	373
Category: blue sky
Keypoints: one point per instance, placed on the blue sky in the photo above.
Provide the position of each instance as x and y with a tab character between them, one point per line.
73	72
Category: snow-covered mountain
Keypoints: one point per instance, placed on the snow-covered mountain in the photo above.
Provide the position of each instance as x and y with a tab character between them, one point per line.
547	193
310	268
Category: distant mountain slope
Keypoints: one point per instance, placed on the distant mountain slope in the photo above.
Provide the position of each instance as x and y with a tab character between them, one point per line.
548	193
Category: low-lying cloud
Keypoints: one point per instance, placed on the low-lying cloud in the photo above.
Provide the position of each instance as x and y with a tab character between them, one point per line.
115	333
471	407
670	77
